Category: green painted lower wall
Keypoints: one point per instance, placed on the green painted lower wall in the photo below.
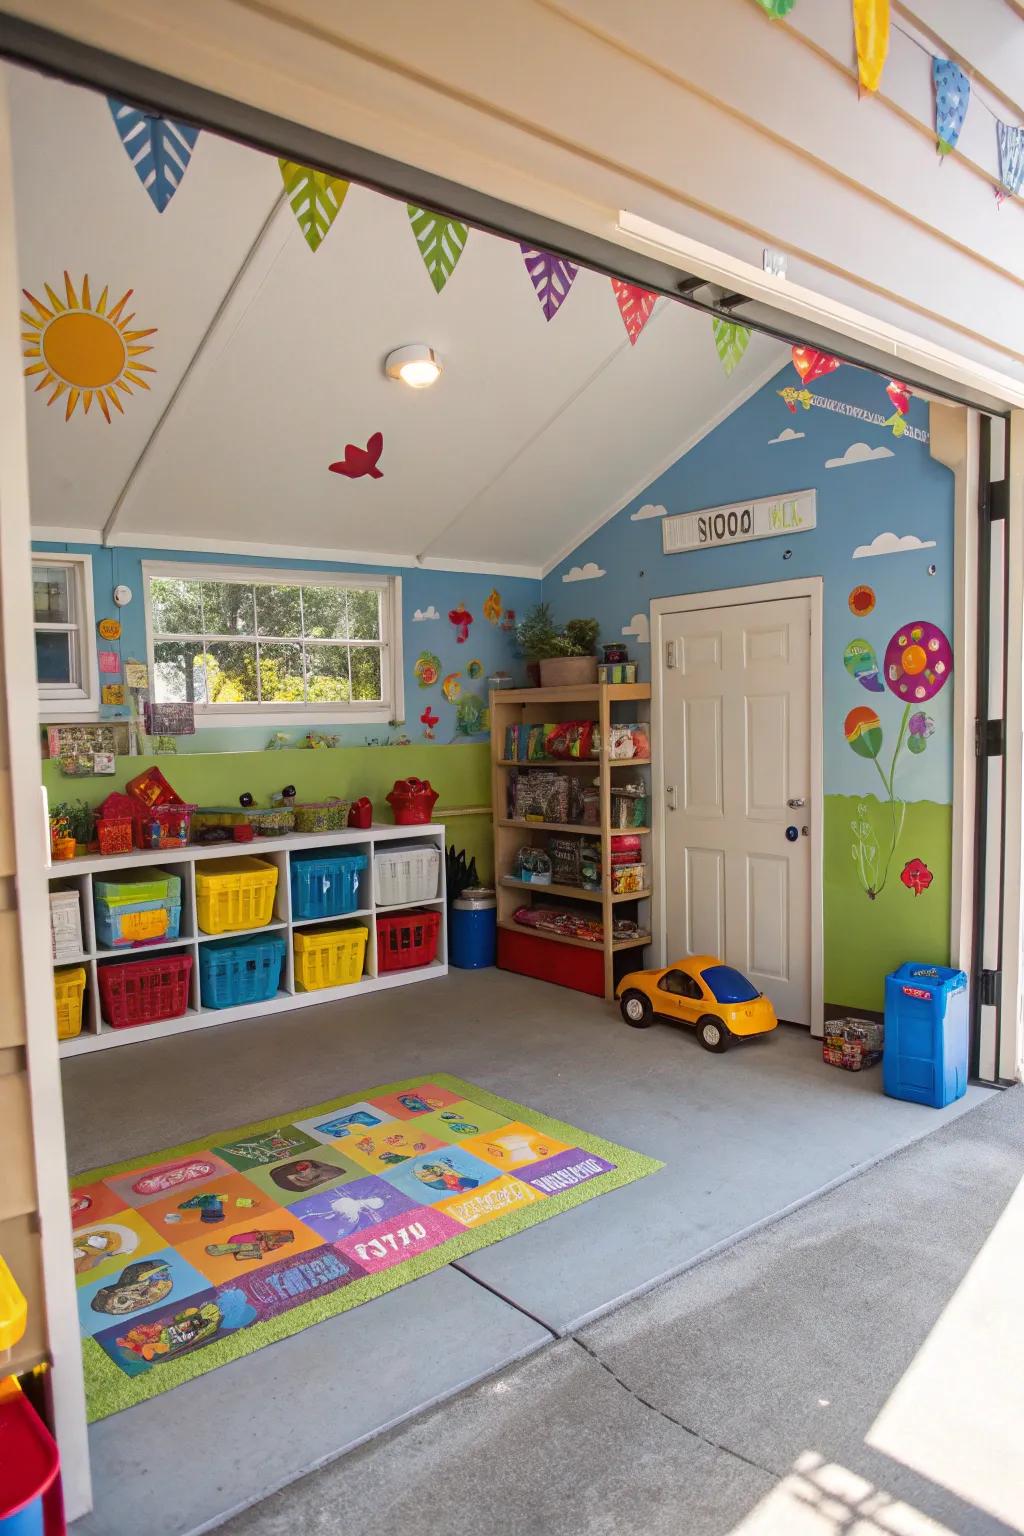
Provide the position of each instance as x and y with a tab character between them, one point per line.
460	774
867	937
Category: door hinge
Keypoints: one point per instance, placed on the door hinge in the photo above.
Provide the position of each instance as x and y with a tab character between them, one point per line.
670	654
996	504
990	986
988	738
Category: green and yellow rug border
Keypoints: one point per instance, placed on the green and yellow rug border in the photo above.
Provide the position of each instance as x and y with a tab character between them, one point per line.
109	1390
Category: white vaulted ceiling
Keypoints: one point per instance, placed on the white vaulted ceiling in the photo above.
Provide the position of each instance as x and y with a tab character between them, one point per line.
269	356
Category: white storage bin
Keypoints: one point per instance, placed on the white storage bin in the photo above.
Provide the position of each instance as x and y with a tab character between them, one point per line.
405	872
65	925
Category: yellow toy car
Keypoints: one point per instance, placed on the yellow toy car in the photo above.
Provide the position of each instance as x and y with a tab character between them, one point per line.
700	990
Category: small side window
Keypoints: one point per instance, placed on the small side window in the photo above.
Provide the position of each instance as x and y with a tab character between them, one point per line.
65	651
681	985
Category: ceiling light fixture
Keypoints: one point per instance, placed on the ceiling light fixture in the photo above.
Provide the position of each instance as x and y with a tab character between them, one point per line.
416	365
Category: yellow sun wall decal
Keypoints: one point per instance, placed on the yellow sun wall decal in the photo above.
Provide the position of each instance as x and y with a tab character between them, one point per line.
84	350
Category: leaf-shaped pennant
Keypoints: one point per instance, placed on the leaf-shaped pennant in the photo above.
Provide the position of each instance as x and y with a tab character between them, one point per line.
158	147
636	305
316	199
551	276
1011	156
731	340
777	8
871	32
441	241
952	96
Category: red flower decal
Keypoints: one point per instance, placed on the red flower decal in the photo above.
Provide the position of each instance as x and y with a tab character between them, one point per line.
916	876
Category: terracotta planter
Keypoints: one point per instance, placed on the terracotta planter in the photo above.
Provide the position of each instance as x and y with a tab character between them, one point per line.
568	671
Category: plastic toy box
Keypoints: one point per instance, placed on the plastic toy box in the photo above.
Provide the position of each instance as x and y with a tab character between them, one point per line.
326	885
405	872
407	939
926	1030
144	991
142	906
240	971
68	993
329	957
235	894
321	815
273	821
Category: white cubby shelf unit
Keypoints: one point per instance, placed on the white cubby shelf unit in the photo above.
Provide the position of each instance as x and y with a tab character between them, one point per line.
78	875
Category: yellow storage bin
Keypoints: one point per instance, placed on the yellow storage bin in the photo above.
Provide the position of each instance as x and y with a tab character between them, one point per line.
13	1308
235	894
329	957
68	993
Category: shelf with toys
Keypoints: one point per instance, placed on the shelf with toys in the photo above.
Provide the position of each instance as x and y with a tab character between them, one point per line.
572	848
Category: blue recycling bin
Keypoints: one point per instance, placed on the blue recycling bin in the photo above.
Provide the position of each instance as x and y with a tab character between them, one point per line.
926	1026
473	929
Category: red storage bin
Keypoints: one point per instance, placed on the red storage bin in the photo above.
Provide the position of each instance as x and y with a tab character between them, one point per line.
407	939
150	788
173	821
566	965
143	991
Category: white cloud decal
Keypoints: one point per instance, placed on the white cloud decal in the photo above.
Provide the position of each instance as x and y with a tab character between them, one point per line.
639	627
589	572
649	509
892	544
423	614
787	435
858	453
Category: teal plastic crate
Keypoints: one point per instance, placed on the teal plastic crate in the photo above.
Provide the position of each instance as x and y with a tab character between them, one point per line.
237	971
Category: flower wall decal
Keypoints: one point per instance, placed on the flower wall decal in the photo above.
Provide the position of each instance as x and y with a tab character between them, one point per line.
916	876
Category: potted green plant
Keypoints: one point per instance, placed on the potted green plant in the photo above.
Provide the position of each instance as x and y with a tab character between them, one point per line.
571	660
536	633
81	820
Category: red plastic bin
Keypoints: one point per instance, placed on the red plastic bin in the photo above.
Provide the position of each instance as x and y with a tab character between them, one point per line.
407	939
30	1491
143	991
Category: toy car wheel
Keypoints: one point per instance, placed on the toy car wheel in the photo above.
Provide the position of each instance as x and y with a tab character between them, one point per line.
636	1010
713	1034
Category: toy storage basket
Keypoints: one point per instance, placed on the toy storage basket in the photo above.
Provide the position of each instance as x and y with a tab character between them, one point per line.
248	971
139	885
235	894
115	834
405	873
274	821
326	885
407	940
143	991
330	957
173	823
136	922
321	815
68	992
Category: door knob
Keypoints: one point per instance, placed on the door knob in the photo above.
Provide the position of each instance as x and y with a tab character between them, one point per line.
795	805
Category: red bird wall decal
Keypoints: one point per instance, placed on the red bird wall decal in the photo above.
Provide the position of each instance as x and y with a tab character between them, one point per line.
361	461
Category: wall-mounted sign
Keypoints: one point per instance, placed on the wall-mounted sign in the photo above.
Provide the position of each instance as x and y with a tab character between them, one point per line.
763	518
110	629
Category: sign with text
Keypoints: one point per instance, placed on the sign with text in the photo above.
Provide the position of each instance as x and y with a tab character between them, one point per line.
762	518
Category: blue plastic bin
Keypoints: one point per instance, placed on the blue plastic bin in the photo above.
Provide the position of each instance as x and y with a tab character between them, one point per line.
326	884
238	971
926	1025
473	929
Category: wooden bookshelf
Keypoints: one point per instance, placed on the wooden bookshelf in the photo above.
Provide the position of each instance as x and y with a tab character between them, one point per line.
607	704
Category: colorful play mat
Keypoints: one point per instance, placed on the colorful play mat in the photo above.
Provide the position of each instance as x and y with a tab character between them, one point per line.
196	1255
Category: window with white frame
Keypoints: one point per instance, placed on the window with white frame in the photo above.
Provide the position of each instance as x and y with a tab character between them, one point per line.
64	634
317	644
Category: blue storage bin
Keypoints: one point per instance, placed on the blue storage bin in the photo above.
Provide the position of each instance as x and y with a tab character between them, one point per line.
123	925
239	971
926	1028
326	884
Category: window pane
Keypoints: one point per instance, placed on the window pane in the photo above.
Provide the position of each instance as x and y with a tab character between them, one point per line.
179	673
177	606
228	610
54	657
278	611
327	674
364	614
326	613
281	674
366	674
231	671
52	591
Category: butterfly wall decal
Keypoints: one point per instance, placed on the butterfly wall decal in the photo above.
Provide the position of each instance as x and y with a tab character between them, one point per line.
361	461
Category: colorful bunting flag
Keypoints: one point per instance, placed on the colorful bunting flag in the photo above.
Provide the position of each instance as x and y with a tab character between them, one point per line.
871	32
1011	156
441	240
315	197
551	276
636	305
952	96
158	147
777	8
811	364
731	341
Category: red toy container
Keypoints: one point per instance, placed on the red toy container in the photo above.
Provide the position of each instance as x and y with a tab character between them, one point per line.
143	991
412	801
30	1492
407	939
174	822
151	788
115	833
360	813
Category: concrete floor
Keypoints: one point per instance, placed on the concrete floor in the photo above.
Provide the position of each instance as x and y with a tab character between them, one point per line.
852	1370
744	1137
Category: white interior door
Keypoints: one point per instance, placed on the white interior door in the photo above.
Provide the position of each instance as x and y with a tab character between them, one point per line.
736	697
